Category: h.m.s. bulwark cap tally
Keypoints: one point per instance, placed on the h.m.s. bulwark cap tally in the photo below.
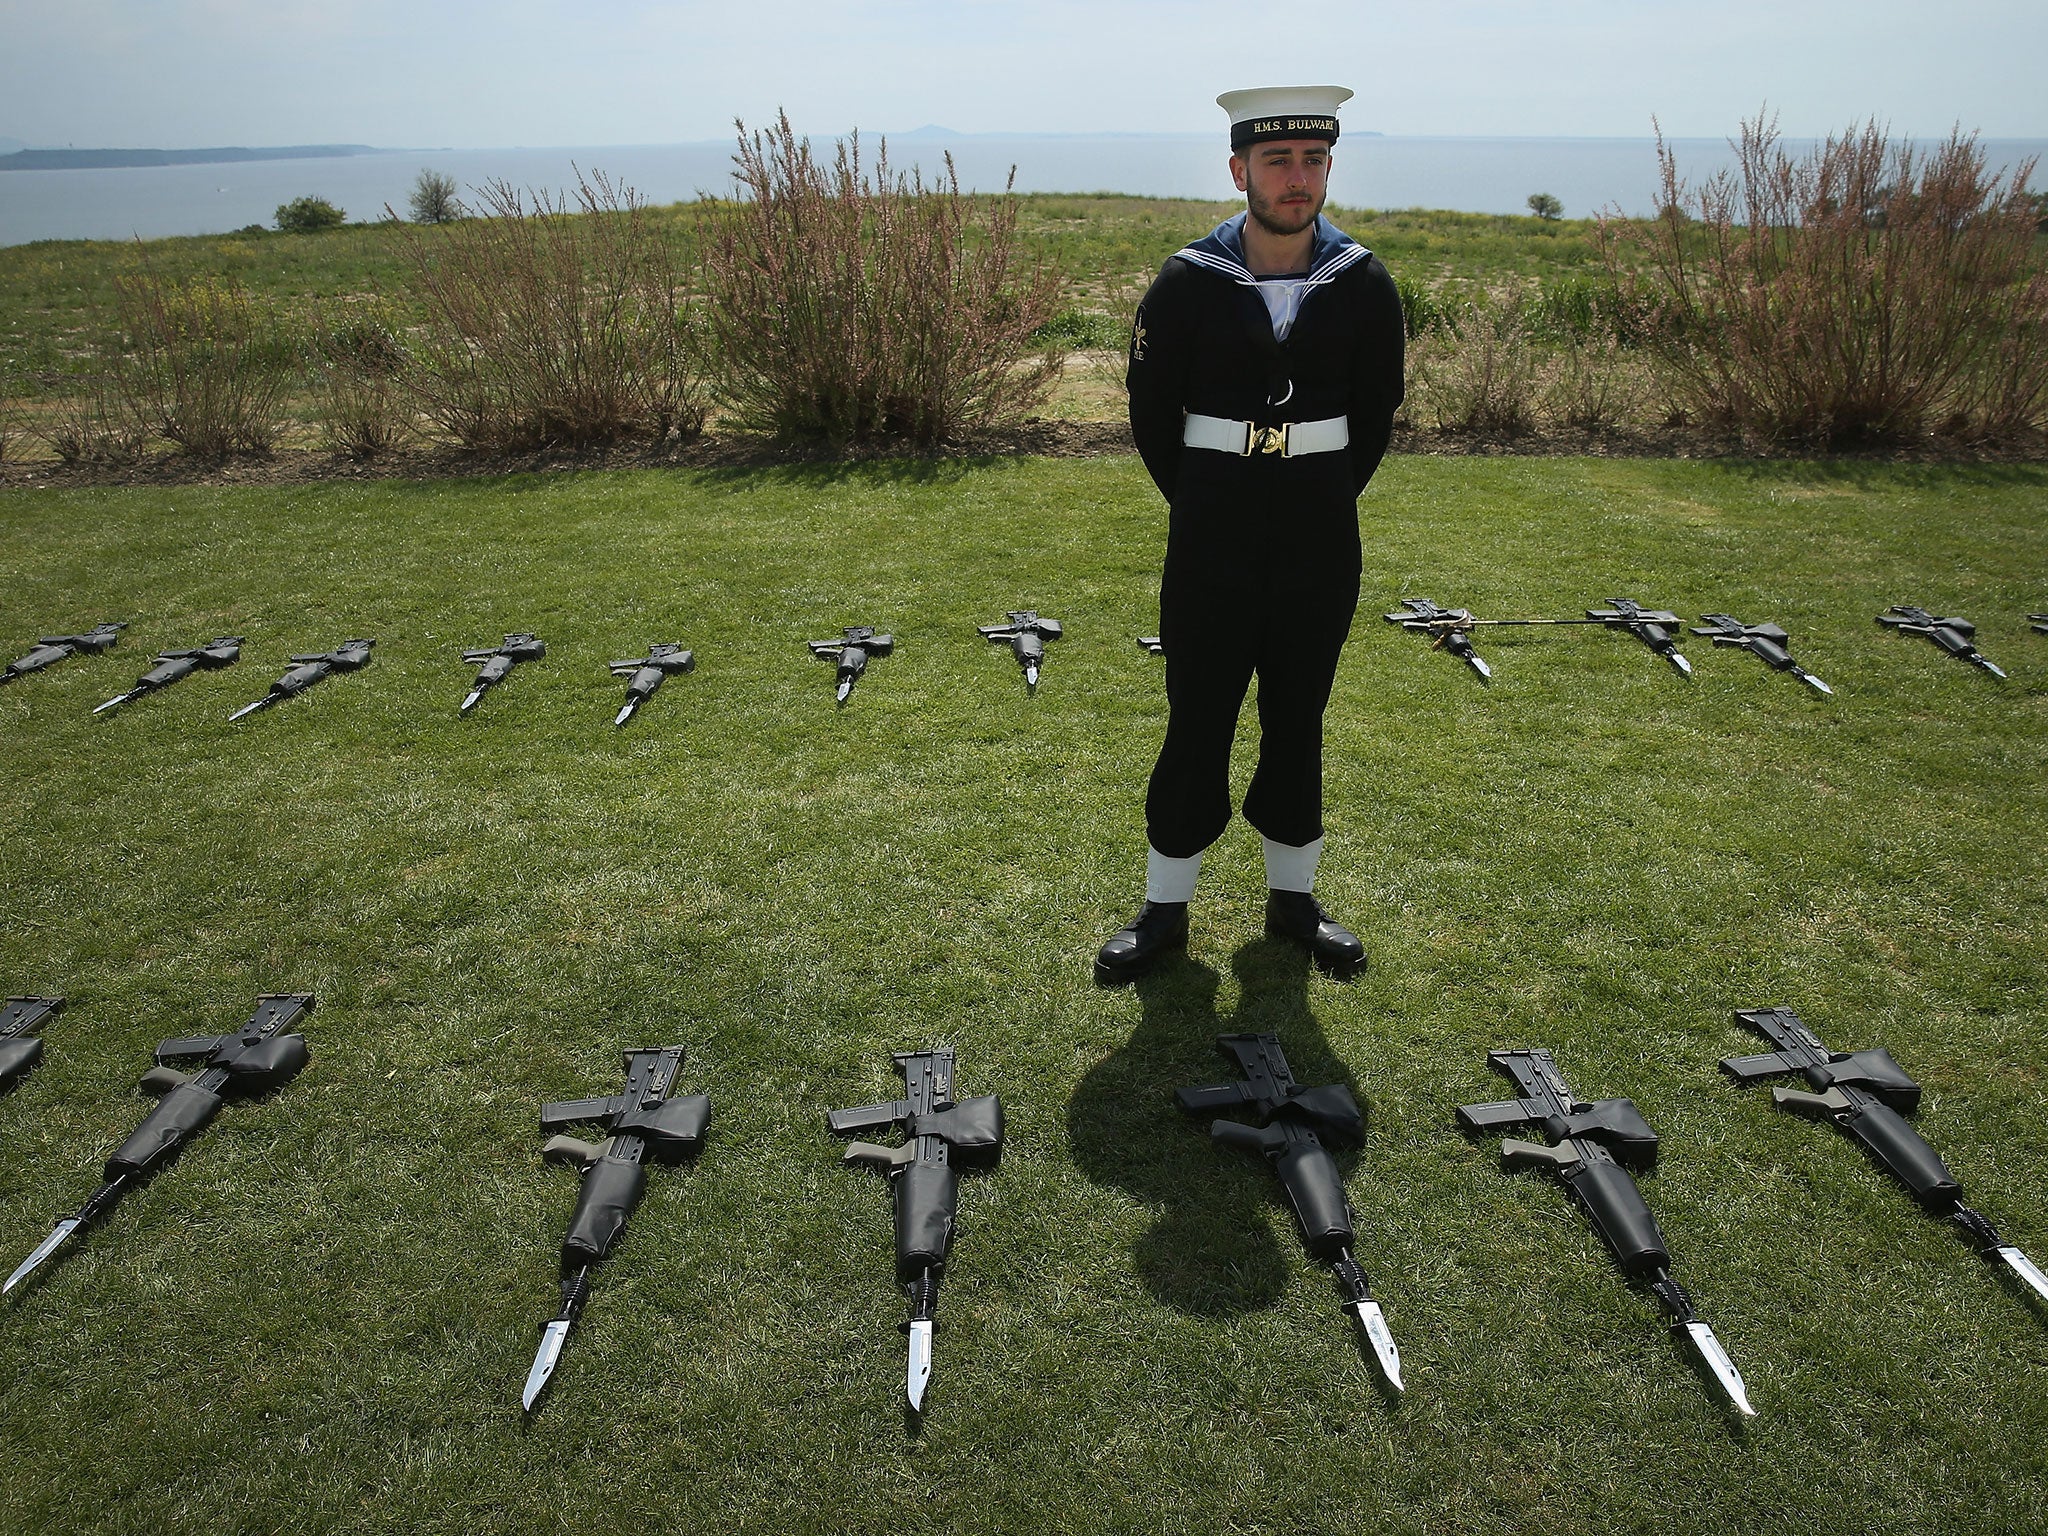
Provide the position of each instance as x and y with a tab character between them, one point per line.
1283	112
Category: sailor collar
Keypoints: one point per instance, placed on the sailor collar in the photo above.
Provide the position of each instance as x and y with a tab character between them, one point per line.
1222	250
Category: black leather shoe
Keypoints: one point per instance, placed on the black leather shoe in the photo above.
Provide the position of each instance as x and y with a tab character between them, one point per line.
1299	916
1131	951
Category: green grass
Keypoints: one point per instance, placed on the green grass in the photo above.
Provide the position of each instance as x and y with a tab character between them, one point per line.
318	1320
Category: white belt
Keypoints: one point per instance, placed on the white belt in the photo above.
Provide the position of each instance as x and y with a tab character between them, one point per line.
1290	439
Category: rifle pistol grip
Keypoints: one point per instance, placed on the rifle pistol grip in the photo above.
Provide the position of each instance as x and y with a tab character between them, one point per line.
567	1149
886	1157
1517	1154
1815	1106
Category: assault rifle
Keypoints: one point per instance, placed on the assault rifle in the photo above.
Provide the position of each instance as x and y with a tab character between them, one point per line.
642	1124
1655	628
1290	1122
648	672
1766	642
498	661
1952	635
1025	635
174	666
852	653
257	1058
942	1136
1869	1095
1151	645
1451	627
306	670
1596	1147
55	648
19	1049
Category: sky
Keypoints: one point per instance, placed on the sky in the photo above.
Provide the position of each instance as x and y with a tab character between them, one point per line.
471	74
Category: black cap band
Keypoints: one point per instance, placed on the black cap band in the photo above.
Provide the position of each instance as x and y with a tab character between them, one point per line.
1260	130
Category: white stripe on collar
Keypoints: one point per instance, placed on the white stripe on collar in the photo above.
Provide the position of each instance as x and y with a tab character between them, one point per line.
1241	274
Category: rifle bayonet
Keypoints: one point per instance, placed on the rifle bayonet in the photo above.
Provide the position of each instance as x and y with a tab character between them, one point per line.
1450	629
644	674
51	649
1869	1095
851	651
252	1061
1287	1124
174	666
943	1135
496	663
1766	642
1953	635
1594	1147
308	669
1656	628
643	1123
1025	634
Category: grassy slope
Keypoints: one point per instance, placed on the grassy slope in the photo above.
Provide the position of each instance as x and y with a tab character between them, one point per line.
56	295
320	1318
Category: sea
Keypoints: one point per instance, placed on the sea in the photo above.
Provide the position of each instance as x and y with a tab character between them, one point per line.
1371	171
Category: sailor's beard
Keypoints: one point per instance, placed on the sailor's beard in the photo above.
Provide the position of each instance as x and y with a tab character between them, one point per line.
1282	221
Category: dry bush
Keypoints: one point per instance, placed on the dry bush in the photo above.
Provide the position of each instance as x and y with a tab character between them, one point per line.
1594	385
861	307
1478	370
1863	292
362	403
552	323
206	367
91	425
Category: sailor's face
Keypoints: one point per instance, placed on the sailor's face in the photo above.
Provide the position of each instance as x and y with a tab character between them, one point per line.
1284	182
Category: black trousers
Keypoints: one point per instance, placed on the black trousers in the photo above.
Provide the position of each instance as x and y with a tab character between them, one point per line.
1277	607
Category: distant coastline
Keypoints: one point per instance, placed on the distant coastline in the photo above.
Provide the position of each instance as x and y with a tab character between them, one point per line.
111	159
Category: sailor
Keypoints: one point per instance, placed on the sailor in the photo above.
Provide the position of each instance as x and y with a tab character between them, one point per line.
1265	368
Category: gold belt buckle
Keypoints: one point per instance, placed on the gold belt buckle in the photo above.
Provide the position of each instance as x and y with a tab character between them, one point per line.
1265	440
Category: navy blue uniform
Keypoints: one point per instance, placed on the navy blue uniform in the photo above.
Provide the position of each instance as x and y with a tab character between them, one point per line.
1262	552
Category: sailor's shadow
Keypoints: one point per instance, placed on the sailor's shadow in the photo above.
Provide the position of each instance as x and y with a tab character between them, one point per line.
1222	1240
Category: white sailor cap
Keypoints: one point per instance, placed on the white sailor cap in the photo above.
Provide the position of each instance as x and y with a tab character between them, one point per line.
1283	112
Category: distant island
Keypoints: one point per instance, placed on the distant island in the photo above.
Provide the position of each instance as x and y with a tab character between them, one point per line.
104	159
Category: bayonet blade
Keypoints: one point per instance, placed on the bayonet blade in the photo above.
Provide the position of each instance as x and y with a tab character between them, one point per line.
626	713
544	1359
1989	666
1677	659
1710	1350
1813	682
1031	677
844	689
1479	665
2025	1268
123	698
470	703
50	1244
918	1375
1374	1322
250	709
